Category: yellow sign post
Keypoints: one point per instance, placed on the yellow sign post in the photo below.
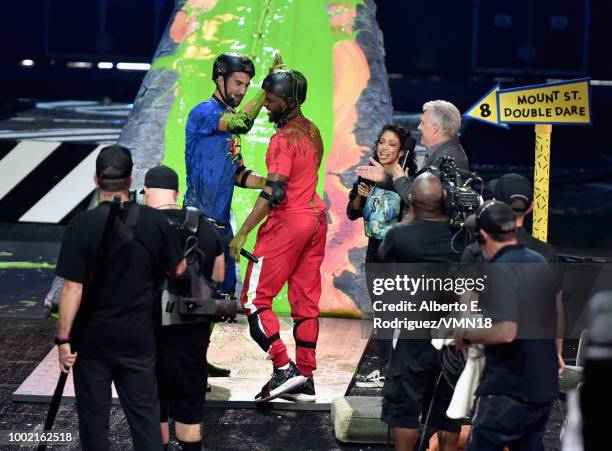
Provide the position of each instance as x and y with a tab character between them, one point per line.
559	103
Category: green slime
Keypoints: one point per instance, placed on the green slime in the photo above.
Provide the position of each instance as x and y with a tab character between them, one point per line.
301	31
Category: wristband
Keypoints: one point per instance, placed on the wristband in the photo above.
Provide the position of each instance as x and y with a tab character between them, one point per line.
61	340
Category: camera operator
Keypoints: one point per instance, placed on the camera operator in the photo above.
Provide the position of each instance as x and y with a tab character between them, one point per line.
415	364
516	191
116	339
520	379
181	354
439	129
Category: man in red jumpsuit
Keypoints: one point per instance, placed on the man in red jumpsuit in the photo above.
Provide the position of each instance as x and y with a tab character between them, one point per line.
290	244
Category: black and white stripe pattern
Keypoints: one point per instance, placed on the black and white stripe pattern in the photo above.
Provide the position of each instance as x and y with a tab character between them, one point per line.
45	181
97	135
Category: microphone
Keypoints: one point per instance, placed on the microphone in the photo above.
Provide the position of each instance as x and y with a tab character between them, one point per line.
248	256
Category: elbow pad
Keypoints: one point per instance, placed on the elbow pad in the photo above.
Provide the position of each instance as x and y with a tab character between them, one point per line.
277	195
239	123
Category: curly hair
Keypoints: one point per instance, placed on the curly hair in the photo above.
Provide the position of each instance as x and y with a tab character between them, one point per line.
407	145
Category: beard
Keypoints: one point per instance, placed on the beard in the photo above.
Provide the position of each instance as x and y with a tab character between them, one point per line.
233	101
274	116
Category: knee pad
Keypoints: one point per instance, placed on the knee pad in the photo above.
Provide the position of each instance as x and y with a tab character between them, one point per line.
313	323
257	332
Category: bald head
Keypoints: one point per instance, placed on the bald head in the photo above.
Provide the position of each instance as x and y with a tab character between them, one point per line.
427	195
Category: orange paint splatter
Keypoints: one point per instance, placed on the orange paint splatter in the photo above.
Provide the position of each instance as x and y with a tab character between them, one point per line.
204	5
182	26
342	18
351	75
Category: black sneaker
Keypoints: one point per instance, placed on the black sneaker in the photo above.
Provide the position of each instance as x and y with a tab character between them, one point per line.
282	381
217	371
305	393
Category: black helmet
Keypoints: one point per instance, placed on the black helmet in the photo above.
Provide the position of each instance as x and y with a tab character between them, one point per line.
286	84
226	63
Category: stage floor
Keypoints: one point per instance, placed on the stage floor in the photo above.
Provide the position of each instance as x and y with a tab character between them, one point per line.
339	350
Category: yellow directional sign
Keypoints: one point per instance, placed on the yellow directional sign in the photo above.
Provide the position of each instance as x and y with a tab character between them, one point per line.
565	102
485	110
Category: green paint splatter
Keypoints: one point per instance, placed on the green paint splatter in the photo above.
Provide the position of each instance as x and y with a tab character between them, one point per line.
26	265
28	303
300	31
5	254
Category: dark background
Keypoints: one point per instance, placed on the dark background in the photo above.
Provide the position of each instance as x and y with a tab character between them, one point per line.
451	49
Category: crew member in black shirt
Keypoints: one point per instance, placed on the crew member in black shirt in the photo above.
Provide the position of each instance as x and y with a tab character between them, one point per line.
516	191
181	358
520	379
117	344
414	366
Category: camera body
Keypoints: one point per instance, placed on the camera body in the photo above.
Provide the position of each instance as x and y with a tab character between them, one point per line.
461	199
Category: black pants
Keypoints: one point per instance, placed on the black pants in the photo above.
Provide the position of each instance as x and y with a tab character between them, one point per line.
502	421
384	344
136	386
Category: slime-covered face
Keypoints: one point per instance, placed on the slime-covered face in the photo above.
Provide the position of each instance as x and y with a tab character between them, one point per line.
237	85
276	106
388	148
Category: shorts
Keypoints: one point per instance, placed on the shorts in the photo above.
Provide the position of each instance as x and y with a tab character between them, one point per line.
410	382
182	372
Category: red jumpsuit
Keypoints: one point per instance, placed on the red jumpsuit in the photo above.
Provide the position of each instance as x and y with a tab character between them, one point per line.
290	247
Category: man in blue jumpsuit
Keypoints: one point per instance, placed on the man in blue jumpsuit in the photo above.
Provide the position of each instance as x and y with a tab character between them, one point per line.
212	155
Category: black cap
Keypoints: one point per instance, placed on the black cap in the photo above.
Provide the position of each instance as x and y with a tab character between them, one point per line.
227	63
113	167
161	177
495	217
286	84
514	190
488	192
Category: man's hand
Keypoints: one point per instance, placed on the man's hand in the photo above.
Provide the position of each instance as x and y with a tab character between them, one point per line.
363	190
374	173
66	358
236	245
398	172
561	363
277	64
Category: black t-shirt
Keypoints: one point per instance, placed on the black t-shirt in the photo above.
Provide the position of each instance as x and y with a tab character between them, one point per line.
121	320
208	240
421	241
520	288
420	248
473	255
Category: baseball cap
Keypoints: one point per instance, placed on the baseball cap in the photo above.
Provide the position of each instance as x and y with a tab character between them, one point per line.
514	190
113	166
495	217
161	177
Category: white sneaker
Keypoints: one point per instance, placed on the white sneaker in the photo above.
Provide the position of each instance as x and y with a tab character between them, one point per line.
372	380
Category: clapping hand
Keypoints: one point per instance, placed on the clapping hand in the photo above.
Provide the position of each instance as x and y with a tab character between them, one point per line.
375	173
398	172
